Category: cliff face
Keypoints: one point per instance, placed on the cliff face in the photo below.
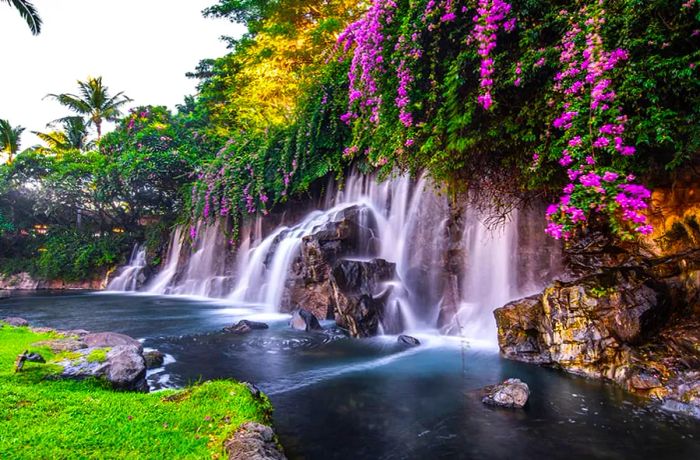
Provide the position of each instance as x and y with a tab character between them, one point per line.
25	282
629	313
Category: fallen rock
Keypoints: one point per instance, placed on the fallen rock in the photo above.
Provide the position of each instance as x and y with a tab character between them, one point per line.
253	441
512	393
153	358
16	321
245	326
408	340
35	358
303	320
110	339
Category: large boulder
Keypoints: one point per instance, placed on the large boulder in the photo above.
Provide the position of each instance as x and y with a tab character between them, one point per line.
512	393
350	233
253	441
360	294
123	366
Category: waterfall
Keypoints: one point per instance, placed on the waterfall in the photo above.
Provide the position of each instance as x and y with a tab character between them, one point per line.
129	276
491	274
404	220
161	283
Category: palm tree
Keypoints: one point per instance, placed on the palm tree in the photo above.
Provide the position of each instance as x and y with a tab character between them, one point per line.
73	136
94	102
28	12
9	139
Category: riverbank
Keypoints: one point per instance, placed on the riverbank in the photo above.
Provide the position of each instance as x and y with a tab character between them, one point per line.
41	417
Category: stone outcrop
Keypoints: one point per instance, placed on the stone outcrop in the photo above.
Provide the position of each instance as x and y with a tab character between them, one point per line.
253	441
110	339
513	393
25	282
308	282
637	324
16	321
360	294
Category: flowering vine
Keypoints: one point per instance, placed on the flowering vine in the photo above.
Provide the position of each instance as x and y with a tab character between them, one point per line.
592	129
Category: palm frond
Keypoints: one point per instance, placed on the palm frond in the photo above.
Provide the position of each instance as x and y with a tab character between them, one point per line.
29	14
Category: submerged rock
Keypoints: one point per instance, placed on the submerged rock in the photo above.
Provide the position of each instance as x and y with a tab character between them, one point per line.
16	321
512	393
303	320
253	441
153	358
408	340
245	326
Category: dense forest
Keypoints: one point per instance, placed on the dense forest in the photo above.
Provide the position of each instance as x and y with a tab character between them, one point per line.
589	104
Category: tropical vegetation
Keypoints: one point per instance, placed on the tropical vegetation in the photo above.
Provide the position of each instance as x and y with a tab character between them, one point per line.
587	104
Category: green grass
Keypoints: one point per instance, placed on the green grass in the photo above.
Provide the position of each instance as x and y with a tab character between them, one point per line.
98	355
43	418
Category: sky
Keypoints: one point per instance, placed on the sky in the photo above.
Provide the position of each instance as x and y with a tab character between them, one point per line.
141	47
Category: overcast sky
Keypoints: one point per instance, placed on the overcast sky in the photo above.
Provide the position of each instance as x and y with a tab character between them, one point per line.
141	47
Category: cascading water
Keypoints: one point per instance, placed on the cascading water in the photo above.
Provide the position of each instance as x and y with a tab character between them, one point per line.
407	222
491	273
129	276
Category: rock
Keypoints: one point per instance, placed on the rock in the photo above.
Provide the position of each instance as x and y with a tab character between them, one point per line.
511	393
61	345
35	358
360	295
127	368
253	441
153	358
16	322
110	339
245	326
408	340
255	391
351	233
303	320
123	366
644	381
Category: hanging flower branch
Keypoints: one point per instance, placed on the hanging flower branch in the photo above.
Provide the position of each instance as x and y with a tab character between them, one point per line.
592	129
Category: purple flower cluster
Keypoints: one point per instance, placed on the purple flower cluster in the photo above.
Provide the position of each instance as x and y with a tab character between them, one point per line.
366	34
491	16
592	129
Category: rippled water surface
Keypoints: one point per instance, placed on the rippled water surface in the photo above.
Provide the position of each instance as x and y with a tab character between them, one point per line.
337	398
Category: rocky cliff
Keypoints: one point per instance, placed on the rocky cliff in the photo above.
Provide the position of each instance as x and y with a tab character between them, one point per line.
628	313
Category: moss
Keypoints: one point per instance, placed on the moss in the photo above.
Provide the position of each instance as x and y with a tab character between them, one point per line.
98	355
46	418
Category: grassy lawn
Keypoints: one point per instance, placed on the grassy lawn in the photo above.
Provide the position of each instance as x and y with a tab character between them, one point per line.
43	418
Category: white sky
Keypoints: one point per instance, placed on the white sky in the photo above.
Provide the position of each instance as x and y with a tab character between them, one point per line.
141	47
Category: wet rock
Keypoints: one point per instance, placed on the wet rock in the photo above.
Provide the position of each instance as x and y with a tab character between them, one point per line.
245	326
303	320
408	340
308	280
153	358
16	321
360	294
253	441
255	391
110	339
512	393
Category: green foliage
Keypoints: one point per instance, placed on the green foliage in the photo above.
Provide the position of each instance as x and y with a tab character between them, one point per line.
98	355
87	420
74	256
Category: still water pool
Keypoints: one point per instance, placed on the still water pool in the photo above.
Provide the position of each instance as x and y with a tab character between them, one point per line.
339	398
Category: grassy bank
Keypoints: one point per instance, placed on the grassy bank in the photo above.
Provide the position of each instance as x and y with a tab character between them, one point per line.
44	418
